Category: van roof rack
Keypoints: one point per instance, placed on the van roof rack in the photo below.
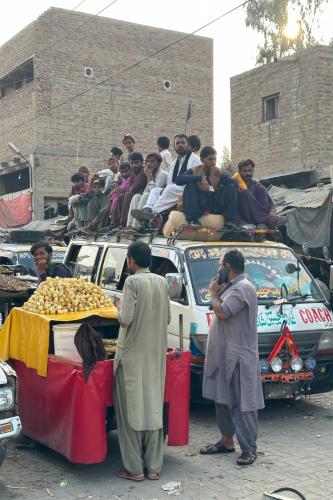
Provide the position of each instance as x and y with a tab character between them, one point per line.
187	233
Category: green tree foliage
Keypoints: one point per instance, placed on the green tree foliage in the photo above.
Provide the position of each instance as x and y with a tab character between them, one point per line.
270	18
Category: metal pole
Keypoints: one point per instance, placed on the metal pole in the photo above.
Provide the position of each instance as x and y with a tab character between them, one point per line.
181	332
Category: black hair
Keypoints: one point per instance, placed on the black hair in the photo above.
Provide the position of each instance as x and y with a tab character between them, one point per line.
77	177
156	156
41	244
116	151
194	142
140	253
163	142
245	163
207	151
236	260
135	157
180	136
128	136
124	165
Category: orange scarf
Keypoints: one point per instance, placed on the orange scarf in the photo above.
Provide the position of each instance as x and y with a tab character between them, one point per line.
240	181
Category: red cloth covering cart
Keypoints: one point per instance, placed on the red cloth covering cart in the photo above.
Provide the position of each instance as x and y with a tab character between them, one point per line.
68	415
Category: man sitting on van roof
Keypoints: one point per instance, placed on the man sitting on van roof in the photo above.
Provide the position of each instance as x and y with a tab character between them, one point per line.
42	254
208	190
255	206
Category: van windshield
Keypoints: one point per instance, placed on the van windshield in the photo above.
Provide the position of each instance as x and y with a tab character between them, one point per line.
266	268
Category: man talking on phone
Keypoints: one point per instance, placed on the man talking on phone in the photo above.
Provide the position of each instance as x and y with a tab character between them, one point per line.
231	375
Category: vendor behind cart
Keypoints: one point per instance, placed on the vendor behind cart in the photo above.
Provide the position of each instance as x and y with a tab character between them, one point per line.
42	254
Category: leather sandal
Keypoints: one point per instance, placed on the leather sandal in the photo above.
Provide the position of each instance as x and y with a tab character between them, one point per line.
247	459
212	449
125	474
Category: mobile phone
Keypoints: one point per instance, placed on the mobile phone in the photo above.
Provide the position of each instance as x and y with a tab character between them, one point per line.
222	274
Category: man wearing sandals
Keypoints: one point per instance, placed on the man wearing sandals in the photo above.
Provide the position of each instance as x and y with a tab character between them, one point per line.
140	367
231	375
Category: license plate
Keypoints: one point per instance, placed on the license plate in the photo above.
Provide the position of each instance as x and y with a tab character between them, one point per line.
278	391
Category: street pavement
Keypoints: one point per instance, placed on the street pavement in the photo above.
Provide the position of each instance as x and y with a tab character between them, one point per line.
295	450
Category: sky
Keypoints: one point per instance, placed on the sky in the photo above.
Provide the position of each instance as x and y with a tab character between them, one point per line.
234	44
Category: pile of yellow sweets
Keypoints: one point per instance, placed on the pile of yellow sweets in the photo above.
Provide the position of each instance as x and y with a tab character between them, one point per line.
65	295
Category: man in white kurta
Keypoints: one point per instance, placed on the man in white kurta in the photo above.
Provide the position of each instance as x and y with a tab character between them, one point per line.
161	200
140	367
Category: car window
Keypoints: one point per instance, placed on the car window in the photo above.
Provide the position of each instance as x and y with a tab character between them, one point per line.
7	257
112	268
87	262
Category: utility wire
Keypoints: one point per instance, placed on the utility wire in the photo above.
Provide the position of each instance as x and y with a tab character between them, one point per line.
78	5
134	65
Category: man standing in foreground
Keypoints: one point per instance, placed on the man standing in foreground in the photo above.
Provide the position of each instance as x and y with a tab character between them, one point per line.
231	374
140	367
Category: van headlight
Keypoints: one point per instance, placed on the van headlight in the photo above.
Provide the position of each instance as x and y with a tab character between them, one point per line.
6	399
326	341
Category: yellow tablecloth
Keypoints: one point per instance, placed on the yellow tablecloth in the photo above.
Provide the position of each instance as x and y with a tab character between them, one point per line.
25	335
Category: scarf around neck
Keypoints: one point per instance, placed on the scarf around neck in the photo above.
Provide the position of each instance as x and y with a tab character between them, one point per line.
240	182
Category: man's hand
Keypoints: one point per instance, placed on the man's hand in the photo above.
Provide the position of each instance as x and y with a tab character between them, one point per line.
117	303
148	173
41	265
204	185
214	287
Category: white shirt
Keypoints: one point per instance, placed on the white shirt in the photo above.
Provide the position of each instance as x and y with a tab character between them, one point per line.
193	161
166	160
159	181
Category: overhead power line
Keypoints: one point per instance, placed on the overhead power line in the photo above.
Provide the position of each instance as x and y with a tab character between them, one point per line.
128	68
78	5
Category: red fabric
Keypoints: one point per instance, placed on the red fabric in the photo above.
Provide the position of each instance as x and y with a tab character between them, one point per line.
15	212
67	415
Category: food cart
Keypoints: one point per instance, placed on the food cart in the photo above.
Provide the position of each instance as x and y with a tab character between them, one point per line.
58	407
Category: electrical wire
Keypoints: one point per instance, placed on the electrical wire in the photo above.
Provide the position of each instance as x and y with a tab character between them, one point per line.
134	65
78	5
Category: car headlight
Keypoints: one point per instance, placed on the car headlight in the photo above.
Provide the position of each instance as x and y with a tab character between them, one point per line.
6	399
296	364
276	364
326	341
264	365
310	364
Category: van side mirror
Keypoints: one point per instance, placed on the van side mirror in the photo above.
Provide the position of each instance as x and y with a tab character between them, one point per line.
331	277
175	285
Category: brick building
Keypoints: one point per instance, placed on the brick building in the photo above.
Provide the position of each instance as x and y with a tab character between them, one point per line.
64	53
281	114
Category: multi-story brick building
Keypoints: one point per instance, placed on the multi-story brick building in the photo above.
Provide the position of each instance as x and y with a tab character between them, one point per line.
64	53
281	114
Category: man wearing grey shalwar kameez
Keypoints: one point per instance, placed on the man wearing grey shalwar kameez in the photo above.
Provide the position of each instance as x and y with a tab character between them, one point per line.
140	364
232	375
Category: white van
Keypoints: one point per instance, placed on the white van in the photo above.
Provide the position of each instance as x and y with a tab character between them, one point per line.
272	267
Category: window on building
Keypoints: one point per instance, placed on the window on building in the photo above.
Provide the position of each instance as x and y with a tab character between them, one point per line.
270	107
18	78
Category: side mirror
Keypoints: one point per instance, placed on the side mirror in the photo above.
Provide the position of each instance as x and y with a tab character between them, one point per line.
175	285
331	277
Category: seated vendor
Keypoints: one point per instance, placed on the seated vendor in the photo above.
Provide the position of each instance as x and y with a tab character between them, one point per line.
42	254
255	206
208	190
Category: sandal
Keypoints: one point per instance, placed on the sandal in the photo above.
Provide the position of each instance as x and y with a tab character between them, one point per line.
125	474
212	449
153	476
247	459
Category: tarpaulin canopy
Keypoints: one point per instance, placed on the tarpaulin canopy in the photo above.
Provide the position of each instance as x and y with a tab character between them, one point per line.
309	215
15	210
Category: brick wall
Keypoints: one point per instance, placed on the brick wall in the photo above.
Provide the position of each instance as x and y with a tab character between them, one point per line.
301	137
64	43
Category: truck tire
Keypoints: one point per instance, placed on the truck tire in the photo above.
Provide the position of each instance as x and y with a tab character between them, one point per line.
3	451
